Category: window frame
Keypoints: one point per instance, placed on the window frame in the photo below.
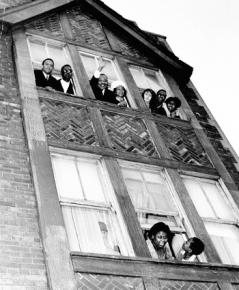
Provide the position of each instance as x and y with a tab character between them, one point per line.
46	42
227	198
112	207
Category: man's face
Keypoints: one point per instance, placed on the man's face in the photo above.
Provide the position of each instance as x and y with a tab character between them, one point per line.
102	82
48	66
187	246
160	239
67	73
161	96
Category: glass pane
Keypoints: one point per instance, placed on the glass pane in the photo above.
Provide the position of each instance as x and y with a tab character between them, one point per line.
109	71
131	174
159	198
93	229
139	77
57	53
152	80
226	241
89	63
38	52
199	199
66	177
136	192
219	204
91	181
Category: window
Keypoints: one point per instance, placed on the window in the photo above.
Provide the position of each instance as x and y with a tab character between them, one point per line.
152	197
41	48
90	63
90	212
147	78
220	218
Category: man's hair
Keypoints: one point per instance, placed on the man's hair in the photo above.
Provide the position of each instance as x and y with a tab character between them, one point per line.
64	67
197	246
46	60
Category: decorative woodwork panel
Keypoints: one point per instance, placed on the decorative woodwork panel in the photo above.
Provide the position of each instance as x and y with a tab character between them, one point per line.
49	23
101	282
128	134
67	123
86	28
184	285
183	144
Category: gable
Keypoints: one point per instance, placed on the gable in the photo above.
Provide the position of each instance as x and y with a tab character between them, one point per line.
82	29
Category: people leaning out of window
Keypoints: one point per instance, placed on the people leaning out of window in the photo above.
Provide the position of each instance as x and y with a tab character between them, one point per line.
45	79
158	103
159	240
100	86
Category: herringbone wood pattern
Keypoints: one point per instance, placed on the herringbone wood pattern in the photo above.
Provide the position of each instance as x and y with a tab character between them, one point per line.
183	285
128	134
104	282
67	123
183	145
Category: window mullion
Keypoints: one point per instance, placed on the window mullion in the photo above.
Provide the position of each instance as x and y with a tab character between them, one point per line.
80	179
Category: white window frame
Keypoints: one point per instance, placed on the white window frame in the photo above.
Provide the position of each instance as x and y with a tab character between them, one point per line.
226	196
178	216
46	42
115	66
111	204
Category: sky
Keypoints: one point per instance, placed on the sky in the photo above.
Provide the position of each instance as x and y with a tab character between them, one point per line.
205	35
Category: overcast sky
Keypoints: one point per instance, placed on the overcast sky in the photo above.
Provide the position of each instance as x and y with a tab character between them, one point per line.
204	34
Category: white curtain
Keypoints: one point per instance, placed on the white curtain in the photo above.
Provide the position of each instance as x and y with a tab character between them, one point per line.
91	230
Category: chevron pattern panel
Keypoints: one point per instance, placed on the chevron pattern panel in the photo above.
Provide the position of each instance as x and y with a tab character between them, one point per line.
104	282
183	145
128	134
67	123
184	285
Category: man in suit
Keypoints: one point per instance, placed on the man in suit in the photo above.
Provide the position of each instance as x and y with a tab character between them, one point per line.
43	77
99	85
65	84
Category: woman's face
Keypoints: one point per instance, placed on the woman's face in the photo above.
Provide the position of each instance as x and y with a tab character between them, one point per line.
160	239
171	106
120	91
147	96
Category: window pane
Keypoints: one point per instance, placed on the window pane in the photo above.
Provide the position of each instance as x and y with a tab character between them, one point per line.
67	179
226	241
93	230
199	199
219	204
109	71
139	77
57	53
89	63
152	80
91	181
38	52
208	199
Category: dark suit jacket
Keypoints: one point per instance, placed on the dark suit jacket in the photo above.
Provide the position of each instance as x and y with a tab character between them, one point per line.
41	81
60	88
108	94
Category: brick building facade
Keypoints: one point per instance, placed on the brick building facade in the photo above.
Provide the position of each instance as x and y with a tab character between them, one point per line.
81	178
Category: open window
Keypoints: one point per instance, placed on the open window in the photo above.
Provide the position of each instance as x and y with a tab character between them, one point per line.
42	48
92	219
153	200
91	62
220	216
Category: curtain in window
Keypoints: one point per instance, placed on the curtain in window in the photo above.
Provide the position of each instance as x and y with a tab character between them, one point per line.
91	230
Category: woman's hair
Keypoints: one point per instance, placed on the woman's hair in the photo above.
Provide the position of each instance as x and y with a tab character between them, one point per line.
153	103
125	91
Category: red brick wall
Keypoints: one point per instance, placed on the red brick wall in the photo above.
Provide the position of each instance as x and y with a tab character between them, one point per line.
22	262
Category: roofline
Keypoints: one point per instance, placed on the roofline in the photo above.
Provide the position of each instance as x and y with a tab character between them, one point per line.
19	14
